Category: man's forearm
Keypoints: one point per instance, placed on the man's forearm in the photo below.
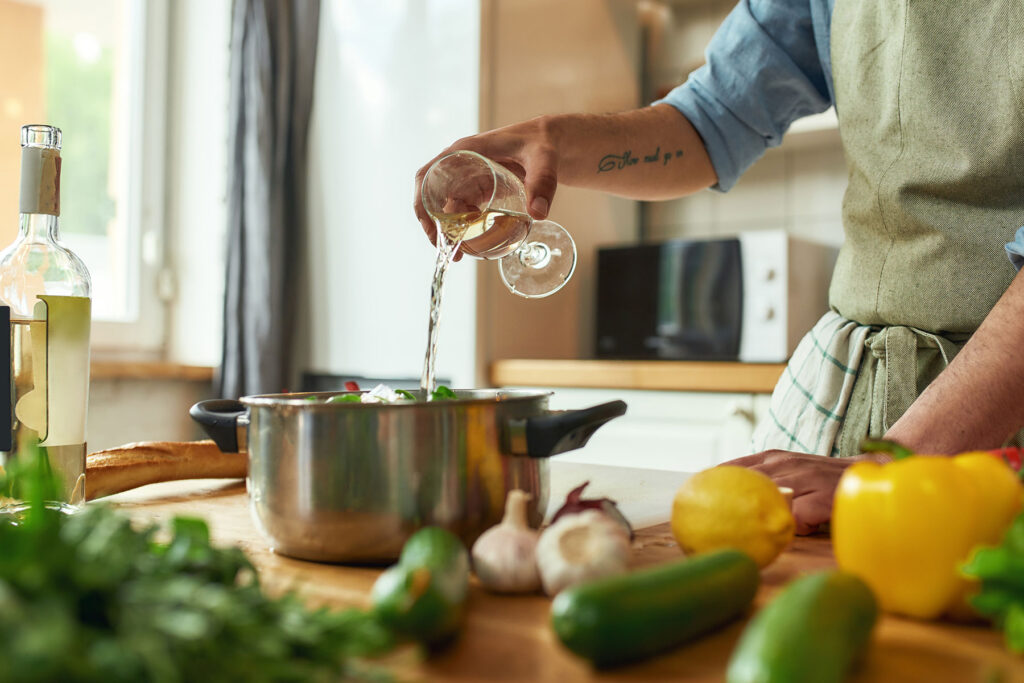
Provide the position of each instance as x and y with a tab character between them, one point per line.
978	401
650	153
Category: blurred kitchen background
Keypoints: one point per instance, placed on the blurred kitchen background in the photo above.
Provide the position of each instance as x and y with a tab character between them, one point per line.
143	92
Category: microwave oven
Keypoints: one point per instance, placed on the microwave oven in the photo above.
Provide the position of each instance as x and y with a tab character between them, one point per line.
747	298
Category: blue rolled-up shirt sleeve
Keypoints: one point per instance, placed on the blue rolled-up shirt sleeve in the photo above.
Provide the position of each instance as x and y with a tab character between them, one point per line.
1015	249
767	66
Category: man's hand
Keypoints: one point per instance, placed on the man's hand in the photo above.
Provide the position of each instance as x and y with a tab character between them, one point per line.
813	479
527	149
649	153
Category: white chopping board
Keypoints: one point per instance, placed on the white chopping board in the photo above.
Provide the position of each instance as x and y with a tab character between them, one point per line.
644	496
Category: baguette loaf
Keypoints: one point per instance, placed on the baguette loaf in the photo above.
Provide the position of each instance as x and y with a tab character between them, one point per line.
148	462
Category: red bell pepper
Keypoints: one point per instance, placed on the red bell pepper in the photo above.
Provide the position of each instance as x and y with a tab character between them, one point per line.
1011	455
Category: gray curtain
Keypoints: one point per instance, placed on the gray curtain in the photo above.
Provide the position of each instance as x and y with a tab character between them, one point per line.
273	56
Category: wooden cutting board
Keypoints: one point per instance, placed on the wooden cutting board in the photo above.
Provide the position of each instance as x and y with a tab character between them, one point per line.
508	638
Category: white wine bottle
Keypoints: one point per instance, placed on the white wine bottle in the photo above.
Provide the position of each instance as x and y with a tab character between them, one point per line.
46	307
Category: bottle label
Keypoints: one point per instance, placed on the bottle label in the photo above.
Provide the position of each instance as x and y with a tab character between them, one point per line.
6	428
65	338
40	181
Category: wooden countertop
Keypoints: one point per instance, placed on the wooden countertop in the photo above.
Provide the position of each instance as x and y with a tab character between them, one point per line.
757	378
508	638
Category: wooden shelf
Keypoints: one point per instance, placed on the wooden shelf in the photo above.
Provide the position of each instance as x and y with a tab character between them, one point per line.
758	378
101	369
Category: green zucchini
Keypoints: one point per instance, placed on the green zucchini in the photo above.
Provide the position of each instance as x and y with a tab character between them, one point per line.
423	596
813	632
631	616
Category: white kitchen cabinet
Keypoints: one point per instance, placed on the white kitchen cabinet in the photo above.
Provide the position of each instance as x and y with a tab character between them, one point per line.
666	430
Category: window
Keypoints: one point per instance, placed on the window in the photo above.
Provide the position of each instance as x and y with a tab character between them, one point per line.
97	70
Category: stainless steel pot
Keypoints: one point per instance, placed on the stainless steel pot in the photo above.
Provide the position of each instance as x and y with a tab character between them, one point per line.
350	482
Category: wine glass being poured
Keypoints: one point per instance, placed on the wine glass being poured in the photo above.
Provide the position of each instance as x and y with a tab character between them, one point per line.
479	206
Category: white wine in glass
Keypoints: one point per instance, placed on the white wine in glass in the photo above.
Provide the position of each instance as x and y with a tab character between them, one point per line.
479	206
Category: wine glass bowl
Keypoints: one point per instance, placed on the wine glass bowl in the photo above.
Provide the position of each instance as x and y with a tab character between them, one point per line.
479	207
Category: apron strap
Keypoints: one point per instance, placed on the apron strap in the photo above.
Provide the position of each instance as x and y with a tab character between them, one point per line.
901	360
896	348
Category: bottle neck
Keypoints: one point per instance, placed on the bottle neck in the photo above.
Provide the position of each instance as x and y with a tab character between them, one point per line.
38	227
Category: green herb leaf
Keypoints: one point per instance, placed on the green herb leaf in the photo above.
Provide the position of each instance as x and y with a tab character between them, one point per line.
442	393
345	398
1001	573
892	448
1013	627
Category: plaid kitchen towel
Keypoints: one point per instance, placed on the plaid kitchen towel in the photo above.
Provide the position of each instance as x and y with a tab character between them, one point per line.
810	400
847	382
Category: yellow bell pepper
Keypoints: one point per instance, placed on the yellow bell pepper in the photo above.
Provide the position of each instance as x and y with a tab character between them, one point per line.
905	527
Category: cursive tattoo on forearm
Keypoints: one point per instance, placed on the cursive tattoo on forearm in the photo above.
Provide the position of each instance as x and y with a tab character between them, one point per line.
617	162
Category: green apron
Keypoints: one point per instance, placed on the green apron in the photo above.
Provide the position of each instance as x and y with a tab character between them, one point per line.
930	99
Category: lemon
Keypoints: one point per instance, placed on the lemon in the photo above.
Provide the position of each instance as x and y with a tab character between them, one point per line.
732	507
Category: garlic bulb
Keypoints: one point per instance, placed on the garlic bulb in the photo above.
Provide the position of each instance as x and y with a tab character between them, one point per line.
504	557
580	547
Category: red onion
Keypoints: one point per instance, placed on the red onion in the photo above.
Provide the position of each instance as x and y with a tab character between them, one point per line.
575	503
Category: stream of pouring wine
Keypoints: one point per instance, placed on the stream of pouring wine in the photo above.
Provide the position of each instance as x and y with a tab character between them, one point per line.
445	253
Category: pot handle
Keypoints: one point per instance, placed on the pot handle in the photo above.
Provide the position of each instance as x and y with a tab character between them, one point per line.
559	431
225	420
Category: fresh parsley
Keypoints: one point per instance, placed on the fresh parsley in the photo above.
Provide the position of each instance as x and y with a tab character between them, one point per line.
87	597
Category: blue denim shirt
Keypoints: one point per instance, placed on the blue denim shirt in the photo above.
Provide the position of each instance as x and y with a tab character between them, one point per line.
767	66
1015	249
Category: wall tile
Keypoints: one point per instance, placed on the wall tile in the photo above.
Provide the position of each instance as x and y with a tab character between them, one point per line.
817	183
689	231
676	47
758	197
797	187
679	216
822	229
798	190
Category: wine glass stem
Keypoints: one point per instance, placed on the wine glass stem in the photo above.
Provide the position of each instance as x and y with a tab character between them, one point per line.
535	255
